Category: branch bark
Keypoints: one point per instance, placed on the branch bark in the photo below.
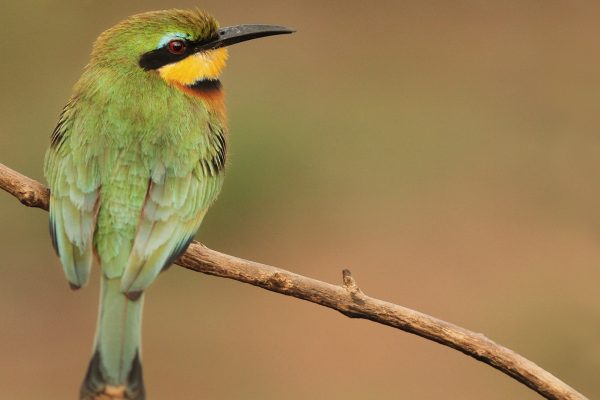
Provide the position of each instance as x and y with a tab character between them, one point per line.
347	299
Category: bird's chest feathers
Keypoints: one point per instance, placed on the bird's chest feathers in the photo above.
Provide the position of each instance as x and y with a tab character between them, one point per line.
180	146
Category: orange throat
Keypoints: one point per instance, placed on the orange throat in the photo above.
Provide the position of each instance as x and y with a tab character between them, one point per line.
207	90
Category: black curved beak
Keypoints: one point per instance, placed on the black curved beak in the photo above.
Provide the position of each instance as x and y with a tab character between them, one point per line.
240	33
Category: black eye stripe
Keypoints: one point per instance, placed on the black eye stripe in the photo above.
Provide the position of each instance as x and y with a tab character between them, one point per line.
157	58
162	56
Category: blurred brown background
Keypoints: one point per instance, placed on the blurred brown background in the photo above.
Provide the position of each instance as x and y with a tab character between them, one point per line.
445	151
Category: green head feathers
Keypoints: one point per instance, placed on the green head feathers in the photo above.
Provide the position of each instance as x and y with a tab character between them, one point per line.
129	40
157	40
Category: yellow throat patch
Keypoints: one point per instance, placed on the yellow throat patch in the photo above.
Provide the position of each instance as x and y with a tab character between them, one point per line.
203	65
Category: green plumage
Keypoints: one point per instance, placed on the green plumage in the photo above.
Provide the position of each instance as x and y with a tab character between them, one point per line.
131	177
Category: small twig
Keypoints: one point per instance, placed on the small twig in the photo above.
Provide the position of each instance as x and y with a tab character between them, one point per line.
349	282
350	285
347	299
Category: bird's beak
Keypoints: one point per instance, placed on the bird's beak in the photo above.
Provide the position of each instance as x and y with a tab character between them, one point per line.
240	33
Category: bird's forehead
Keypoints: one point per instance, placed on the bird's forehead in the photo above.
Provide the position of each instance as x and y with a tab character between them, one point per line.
172	35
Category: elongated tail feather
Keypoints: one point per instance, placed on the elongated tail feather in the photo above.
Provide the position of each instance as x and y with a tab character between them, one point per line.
115	368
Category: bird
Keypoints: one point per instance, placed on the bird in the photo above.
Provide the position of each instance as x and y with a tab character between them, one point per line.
135	161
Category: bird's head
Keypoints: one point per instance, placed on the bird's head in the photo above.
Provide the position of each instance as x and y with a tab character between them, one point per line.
183	47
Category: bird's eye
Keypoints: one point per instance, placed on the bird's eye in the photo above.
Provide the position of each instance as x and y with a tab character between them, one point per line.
176	46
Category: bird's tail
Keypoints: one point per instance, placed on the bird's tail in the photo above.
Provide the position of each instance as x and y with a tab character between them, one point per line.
115	369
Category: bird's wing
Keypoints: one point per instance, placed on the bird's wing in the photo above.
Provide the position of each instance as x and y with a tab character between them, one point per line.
173	210
74	187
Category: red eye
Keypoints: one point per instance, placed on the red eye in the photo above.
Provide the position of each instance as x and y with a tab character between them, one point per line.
176	46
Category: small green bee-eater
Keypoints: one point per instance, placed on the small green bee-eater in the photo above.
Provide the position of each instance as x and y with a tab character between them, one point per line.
134	163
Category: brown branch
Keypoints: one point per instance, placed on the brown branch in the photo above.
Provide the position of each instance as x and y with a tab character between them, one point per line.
347	299
29	192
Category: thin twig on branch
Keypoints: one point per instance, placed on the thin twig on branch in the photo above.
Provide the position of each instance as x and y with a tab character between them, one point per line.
347	299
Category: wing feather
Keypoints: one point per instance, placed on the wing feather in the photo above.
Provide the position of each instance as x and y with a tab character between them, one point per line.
172	213
73	203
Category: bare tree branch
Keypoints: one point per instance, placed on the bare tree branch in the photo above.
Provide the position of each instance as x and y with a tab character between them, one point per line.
29	192
347	299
